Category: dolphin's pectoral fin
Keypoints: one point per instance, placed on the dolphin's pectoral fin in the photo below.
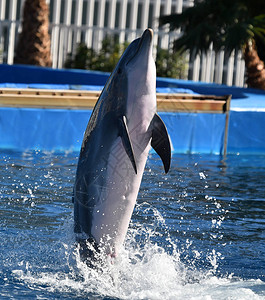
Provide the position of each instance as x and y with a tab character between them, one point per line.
126	141
160	141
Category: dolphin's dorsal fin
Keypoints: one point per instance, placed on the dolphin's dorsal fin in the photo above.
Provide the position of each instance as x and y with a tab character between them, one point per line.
126	141
160	141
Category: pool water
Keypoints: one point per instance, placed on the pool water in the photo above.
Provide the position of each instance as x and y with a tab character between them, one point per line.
196	233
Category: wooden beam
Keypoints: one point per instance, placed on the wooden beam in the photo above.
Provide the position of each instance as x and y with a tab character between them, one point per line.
78	99
43	92
47	101
227	112
190	105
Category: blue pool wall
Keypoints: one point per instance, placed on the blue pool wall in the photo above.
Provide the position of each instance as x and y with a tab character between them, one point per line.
62	129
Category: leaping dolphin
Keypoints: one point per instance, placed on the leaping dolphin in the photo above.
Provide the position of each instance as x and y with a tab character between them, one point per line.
122	128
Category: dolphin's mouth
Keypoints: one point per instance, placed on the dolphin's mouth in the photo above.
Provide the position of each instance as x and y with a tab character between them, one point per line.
148	34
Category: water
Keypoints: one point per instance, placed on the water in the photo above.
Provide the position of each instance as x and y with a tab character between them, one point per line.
196	233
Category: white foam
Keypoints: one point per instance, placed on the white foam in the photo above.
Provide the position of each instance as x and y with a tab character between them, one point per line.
155	275
142	271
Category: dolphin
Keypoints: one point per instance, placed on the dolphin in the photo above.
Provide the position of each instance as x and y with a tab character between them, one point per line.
122	128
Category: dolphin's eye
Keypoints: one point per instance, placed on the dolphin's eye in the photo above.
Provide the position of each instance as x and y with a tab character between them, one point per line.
119	71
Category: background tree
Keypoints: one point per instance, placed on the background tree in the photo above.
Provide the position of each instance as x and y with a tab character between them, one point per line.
34	45
105	60
226	25
171	64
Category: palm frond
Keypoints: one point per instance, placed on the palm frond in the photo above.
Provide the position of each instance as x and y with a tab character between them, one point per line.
222	23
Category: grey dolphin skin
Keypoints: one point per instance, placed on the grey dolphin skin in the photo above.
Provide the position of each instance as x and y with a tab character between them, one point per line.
122	128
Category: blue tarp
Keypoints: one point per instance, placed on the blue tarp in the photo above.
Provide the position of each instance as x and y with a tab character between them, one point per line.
62	129
31	74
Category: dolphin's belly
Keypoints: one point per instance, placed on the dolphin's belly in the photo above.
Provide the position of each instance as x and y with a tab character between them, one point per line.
112	214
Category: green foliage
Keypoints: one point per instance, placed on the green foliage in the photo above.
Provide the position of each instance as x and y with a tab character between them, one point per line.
104	60
169	63
225	24
84	58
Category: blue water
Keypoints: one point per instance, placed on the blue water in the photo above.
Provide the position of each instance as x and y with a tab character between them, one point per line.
196	233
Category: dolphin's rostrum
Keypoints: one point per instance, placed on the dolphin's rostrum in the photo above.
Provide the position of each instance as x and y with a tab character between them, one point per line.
122	128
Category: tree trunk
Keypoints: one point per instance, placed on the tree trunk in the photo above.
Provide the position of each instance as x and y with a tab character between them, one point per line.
34	44
255	67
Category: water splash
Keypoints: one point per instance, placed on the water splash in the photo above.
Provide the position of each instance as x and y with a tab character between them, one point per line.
143	270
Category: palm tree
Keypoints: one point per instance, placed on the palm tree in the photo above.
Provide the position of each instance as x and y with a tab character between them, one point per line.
226	25
34	45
